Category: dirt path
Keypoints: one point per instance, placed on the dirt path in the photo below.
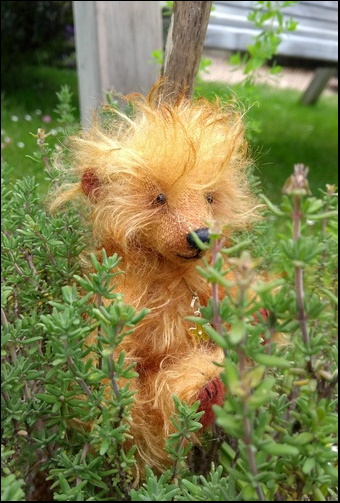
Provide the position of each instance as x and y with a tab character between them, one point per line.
292	78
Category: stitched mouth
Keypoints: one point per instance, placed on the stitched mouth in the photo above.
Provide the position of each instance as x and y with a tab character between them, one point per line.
197	255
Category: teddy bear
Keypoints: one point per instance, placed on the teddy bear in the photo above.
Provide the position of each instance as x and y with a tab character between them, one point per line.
149	181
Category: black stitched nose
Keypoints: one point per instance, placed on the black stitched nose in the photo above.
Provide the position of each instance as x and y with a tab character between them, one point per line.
203	234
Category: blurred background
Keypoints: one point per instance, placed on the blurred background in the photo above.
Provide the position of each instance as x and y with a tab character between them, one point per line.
100	48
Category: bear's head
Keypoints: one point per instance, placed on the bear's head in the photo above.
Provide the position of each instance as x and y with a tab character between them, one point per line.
153	179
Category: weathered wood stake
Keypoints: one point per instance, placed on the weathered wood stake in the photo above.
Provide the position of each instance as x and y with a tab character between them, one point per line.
184	45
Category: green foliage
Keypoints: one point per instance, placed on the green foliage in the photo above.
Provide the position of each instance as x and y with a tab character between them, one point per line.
36	31
268	17
29	103
64	109
167	9
282	409
277	429
214	487
11	487
47	370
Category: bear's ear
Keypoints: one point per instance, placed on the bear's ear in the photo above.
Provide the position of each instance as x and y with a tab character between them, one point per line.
90	184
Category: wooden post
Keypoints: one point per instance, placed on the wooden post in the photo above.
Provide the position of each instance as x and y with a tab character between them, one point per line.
184	47
88	69
114	43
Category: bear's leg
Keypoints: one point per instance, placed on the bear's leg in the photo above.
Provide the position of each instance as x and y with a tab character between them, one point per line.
191	377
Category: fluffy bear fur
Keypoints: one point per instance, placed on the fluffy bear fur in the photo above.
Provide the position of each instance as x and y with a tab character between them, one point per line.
147	182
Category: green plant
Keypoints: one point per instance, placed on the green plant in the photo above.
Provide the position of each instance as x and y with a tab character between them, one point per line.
280	413
37	31
278	425
168	8
282	410
268	17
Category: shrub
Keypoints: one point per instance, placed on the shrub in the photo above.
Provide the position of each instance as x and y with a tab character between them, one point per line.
36	31
276	432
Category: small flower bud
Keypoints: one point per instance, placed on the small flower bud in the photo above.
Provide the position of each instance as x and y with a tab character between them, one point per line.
297	183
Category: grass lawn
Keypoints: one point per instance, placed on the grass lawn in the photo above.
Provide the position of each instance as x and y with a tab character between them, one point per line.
28	103
281	131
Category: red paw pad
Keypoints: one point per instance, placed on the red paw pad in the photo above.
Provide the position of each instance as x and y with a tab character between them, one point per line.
211	394
263	312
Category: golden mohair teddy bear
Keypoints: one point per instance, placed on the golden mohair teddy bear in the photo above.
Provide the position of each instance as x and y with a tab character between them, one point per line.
148	182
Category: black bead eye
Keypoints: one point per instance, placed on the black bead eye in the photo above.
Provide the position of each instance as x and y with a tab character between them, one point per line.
160	199
209	198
